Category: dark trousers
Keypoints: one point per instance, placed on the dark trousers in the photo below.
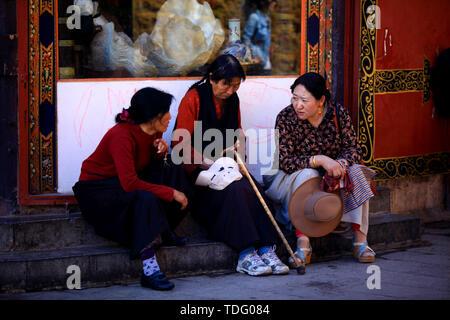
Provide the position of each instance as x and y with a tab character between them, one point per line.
235	215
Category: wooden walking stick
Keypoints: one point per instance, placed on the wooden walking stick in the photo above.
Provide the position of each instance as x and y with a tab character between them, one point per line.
300	268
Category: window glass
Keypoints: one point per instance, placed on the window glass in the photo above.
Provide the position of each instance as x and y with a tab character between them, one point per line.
176	38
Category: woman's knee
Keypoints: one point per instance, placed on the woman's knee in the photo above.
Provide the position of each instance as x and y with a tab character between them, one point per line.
238	186
145	196
310	172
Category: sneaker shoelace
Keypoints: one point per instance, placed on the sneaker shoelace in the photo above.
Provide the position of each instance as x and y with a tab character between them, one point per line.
272	256
255	259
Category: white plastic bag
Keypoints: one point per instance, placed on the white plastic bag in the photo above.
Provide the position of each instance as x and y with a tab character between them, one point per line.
111	50
87	7
186	35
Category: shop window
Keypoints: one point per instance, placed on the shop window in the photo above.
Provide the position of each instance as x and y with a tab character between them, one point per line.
175	38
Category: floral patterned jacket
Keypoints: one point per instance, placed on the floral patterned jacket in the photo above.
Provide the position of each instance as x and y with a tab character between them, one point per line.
299	140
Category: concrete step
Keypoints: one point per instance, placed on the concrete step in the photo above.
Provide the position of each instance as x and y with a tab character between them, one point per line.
52	231
110	264
381	203
386	231
46	231
105	265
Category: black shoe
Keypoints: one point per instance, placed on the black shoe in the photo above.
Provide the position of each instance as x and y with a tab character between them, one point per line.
156	281
171	239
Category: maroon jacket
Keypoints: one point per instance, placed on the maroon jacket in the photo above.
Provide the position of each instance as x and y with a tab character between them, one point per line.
123	151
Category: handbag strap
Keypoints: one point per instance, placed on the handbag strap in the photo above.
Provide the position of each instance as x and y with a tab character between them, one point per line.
336	118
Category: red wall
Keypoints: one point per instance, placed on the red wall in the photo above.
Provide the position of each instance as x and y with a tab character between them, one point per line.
417	29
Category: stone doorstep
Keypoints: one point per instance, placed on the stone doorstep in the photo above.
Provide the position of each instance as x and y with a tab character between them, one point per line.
47	231
386	231
382	201
105	265
52	231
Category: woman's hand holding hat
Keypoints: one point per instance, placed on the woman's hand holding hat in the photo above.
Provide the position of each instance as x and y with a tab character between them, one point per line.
333	167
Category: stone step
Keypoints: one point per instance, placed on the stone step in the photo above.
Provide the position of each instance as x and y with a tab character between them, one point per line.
52	231
386	231
102	265
105	265
46	231
381	203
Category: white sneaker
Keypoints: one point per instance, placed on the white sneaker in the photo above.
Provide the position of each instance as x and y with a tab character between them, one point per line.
271	259
253	265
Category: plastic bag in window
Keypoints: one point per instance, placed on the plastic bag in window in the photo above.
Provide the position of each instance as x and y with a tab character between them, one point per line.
111	50
185	37
240	50
87	7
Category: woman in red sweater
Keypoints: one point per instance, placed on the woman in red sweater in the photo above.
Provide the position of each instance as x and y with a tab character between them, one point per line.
127	191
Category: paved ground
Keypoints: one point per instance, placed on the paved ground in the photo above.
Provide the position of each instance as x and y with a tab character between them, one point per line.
415	273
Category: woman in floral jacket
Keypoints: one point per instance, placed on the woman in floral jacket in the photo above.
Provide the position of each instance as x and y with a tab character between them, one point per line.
317	139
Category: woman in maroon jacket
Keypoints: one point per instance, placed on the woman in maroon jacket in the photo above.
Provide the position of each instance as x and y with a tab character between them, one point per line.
128	189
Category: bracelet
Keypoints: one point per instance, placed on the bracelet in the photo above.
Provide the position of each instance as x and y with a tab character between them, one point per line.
314	162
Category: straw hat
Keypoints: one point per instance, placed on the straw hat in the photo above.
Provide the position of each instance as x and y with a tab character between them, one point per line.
313	212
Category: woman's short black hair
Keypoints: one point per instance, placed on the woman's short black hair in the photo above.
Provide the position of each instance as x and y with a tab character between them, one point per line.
314	83
146	104
226	67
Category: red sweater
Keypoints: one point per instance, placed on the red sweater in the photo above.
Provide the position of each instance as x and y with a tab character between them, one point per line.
124	150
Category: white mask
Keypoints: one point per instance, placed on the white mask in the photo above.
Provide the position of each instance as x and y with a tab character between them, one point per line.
221	173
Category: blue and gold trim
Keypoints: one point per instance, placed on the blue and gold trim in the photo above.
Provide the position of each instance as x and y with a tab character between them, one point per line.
319	37
41	106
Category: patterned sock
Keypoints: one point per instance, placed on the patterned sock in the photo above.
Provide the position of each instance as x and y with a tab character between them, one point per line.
149	263
263	250
243	253
150	266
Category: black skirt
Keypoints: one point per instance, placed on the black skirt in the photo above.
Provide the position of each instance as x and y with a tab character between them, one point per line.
235	215
133	219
